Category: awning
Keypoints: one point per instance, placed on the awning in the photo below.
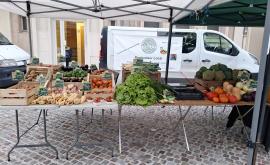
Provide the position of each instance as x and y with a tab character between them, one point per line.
150	10
232	13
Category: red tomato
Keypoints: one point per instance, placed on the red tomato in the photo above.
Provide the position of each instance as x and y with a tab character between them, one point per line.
232	99
211	95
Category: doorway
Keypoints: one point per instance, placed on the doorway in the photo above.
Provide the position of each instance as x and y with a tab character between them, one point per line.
70	40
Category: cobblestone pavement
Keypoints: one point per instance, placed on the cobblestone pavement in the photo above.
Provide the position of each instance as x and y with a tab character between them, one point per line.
148	137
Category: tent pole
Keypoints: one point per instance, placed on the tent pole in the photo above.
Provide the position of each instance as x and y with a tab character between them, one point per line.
29	27
259	100
169	46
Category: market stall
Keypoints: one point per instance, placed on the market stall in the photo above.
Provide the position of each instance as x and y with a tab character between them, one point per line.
82	88
221	94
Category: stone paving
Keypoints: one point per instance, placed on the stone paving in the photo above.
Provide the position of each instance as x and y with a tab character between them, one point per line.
148	135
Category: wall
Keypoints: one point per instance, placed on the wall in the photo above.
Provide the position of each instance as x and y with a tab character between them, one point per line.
42	37
5	27
93	29
254	40
19	37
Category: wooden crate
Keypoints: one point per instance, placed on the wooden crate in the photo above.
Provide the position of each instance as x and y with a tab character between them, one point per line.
100	93
46	71
153	75
54	68
18	94
208	84
93	95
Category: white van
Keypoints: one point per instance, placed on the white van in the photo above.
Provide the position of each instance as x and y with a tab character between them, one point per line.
190	50
11	58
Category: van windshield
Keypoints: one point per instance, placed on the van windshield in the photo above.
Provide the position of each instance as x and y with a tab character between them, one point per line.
4	40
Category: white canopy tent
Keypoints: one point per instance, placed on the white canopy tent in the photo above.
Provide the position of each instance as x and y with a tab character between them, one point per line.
150	10
147	10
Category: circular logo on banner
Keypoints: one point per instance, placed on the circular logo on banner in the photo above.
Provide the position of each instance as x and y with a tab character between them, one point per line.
149	45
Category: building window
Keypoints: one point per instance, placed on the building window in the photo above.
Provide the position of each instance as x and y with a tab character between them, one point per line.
112	23
151	24
23	23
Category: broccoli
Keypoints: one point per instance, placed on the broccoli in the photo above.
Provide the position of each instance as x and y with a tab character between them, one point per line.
219	76
208	75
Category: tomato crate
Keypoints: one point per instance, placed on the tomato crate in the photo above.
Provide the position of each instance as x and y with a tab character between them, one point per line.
20	94
34	71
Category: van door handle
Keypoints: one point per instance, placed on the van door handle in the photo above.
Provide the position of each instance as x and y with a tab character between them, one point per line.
206	60
187	60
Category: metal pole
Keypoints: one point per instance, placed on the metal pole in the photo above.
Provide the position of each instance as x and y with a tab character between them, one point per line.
29	27
252	150
169	46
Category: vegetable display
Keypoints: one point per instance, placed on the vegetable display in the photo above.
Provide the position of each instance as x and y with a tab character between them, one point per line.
139	89
220	72
76	75
243	90
136	90
101	83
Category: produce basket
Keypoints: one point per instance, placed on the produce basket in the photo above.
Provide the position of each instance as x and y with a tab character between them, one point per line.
153	75
98	90
76	75
55	68
19	94
34	71
187	93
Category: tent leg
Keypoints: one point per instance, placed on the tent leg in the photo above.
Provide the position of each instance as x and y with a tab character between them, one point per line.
260	101
29	27
169	46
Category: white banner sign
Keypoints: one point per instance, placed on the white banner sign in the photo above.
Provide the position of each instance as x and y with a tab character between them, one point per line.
150	48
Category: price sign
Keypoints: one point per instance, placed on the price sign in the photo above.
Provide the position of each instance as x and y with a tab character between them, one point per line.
42	91
18	75
59	83
41	79
59	75
86	86
107	76
35	61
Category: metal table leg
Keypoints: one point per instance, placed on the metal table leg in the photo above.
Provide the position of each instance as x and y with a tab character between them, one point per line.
46	144
181	119
77	134
241	117
119	129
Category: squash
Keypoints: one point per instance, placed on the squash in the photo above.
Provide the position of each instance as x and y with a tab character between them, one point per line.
225	84
229	88
237	93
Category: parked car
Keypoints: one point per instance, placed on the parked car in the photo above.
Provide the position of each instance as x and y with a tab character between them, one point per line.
190	50
11	58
